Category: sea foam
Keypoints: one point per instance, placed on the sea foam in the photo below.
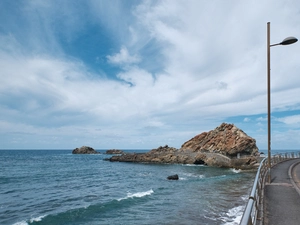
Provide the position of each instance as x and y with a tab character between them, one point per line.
35	219
201	176
235	170
21	223
137	195
234	216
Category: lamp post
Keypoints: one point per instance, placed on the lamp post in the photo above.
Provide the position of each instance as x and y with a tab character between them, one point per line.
286	41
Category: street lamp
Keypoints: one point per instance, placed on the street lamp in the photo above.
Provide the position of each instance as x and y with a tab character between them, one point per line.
286	41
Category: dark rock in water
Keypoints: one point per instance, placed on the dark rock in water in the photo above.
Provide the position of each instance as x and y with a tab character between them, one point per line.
225	146
84	150
173	177
114	152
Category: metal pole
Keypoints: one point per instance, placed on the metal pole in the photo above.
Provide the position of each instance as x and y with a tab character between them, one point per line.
269	100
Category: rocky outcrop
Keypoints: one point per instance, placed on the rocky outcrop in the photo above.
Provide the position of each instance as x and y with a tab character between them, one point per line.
173	177
164	154
84	150
114	152
225	146
226	139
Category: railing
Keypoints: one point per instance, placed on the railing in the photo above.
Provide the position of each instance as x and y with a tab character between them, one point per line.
254	208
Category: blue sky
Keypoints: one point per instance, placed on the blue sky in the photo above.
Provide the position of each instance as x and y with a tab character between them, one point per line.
141	74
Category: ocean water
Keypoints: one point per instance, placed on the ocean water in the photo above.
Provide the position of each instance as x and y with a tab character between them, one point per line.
55	187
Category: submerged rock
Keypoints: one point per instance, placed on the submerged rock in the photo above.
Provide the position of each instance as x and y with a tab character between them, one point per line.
225	146
84	150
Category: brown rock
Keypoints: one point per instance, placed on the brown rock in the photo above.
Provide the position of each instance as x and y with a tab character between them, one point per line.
226	139
84	150
114	151
225	146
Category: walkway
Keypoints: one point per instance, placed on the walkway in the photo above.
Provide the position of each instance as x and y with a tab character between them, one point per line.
282	196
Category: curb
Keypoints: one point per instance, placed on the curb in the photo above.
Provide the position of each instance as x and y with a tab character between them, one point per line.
291	177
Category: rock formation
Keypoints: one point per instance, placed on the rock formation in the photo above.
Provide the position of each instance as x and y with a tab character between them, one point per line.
173	177
226	139
225	146
114	151
84	150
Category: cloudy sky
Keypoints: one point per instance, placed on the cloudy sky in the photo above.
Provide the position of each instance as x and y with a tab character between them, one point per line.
141	74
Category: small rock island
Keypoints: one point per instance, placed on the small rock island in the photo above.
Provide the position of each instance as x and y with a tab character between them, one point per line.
225	146
84	150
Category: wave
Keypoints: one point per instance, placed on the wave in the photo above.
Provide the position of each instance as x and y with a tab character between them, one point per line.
32	220
235	170
21	223
217	177
137	195
201	176
233	216
37	219
193	165
85	214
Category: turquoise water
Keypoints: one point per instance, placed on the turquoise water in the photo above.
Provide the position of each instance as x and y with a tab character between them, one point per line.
56	187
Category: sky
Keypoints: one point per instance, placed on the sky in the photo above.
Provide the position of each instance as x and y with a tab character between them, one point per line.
142	74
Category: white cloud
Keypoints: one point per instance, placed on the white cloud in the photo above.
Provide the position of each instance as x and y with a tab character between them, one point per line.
261	119
290	120
186	67
246	119
123	57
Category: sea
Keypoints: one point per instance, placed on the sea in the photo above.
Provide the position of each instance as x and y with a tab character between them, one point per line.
53	187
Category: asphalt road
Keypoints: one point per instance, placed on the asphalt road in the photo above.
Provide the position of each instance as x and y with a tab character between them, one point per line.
282	195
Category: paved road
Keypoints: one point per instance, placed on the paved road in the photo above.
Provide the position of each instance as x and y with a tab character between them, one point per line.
295	174
282	195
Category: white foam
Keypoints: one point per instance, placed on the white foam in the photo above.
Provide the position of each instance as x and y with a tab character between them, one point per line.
192	164
194	175
37	219
137	195
235	170
233	216
21	223
245	198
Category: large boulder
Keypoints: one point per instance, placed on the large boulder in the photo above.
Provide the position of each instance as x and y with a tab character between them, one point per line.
225	146
84	150
226	139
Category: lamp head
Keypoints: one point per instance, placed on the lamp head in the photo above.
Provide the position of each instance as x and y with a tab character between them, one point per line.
289	40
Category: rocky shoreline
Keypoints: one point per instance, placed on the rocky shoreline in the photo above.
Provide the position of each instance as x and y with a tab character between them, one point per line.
225	146
114	152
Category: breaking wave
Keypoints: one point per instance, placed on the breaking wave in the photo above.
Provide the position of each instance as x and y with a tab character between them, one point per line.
137	195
